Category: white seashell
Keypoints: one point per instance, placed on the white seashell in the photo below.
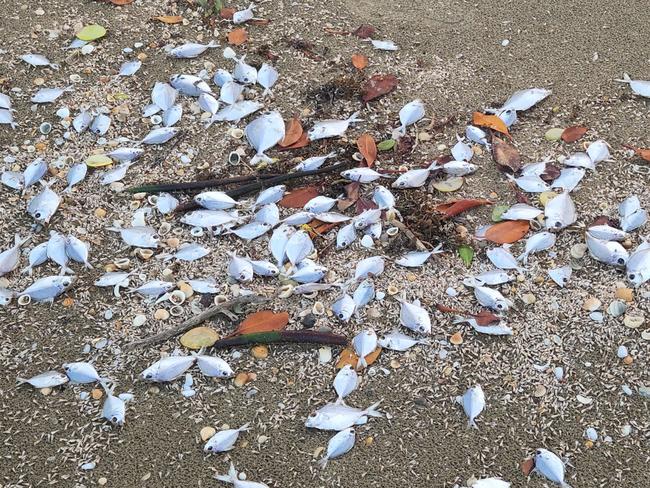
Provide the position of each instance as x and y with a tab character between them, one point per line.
24	300
285	291
219	299
177	297
176	311
164	228
122	263
318	308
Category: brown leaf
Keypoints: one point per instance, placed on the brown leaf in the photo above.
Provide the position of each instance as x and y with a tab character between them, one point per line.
237	37
485	317
506	155
377	86
318	228
292	132
298	197
507	232
445	309
302	142
491	121
455	207
359	61
368	149
527	466
642	153
263	321
259	21
364	31
340	32
348	356
573	133
352	192
169	19
121	2
364	204
551	173
227	13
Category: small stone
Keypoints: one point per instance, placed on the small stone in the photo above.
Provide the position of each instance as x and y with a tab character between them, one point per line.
411	277
539	391
626	294
424	136
622	352
39	81
591	304
616	308
628	360
207	432
139	320
578	251
553	134
102	481
260	352
626	430
645	335
394	363
308	321
161	314
368	441
96	393
456	339
373	313
324	354
39	11
627	390
633	321
505	43
241	379
528	298
45	391
451	292
100	213
591	434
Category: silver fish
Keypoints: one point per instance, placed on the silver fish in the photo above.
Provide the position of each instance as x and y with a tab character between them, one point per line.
154	288
413	259
362	175
160	135
338	416
172	115
208	286
138	236
530	184
56	251
208	103
364	343
100	125
125	154
164	95
344	307
115	174
535	243
167	369
502	258
366	218
82	121
579	160
569	178
550	466
221	77
338	445
473	402
208	218
278	243
492	277
213	366
410	114
346	236
166	203
457	168
82	373
345	382
608	252
491	483
492	299
629	206
560	212
191	50
521	211
77	250
383	198
299	218
461	151
324	129
232	478
48	379
116	280
44	205
312	287
189	85
38	60
264	268
48	288
271	195
242	16
37	256
363	295
560	275
476	135
214	200
313	162
267	76
634	220
298	247
239	268
114	408
13	179
414	317
34	172
224	440
9	258
414	178
5	102
7	118
130	68
637	268
332	217
235	112
251	231
396	341
49	95
607	233
308	272
268	214
189	252
75	175
263	133
524	99
320	204
369	267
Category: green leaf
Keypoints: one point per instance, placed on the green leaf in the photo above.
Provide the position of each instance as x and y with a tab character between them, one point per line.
466	253
91	32
386	145
498	211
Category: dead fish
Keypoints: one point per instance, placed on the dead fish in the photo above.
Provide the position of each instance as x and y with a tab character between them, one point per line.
172	115
154	288
189	85
308	272
491	483
278	243
396	341
313	162
320	204
160	135
338	445
271	195
456	168
48	288
268	214
384	45
490	298
100	124
522	100
233	479
560	275
366	218
639	87
38	60
5	102
76	174
637	268
242	16
243	72
313	287
37	256
251	231
48	379
608	252
569	179
499	329
338	416
221	77
530	184
332	217
580	160
414	259
191	50
264	268
263	133
364	343
116	280
82	373
369	267
208	218
473	402
166	203
224	440
167	369
461	151
239	268
267	76
363	295
324	129
44	205
7	118
560	212
77	250
634	220
535	243
230	92
126	154
502	258
82	121
414	178
521	211
138	236
298	247
607	233
235	112
10	258
6	296
13	180
345	382
346	236
49	95
550	466
414	317
215	200
115	174
362	175
344	307
598	151
383	198
34	172
492	277
213	366
114	408
208	103
410	114
164	95
476	135
130	68
188	252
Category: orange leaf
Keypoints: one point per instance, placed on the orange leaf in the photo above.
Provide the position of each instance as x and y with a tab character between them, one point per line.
445	309
298	197
227	13
491	121
527	466
292	132
260	21
642	153
318	228
263	321
507	232
169	19
348	356
573	133
506	155
485	317
359	61
368	149
454	207
237	37
121	2
378	85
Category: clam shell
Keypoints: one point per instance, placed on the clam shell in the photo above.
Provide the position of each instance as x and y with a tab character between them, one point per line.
197	231
153	200
236	133
164	228
177	297
176	311
134	204
616	308
219	299
24	300
285	291
318	308
144	254
122	263
392	231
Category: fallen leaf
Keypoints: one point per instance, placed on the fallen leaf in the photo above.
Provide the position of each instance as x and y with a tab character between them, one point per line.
91	32
298	197
259	21
641	152
386	145
450	184
506	155
491	121
507	232
364	31
318	228
498	211
348	356
359	61
98	161
364	204
466	253
446	309
352	193
227	13
455	207
340	32
485	318
573	133
302	142
237	37
551	173
368	149
121	2
527	466
377	86
292	132
169	19
199	337
263	321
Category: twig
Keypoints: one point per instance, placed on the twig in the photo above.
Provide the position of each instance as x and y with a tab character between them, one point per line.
412	237
194	321
285	336
196	185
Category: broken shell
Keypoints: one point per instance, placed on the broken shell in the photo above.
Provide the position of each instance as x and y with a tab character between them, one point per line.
616	308
645	335
392	231
628	360
633	321
318	308
456	339
161	314
24	300
156	119
285	291
357	156
100	213
219	299
134	204
45	128
585	400
177	231
139	320
176	311
173	242
236	133
234	158
539	391
153	200
260	352
185	288
139	196
177	297
392	290
122	263
591	304
144	254
164	228
207	432
578	251
197	231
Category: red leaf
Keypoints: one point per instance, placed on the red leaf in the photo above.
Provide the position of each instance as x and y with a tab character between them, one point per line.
572	134
298	197
263	321
352	192
507	232
455	207
446	309
368	149
302	142
551	172
364	204
359	61
377	86
491	121
292	132
237	37
506	155
485	317
121	2
364	31
227	13
527	466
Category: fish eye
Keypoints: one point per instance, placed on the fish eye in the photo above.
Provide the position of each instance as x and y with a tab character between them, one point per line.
632	276
558	225
38	215
421	328
620	261
148	376
114	419
313	415
538	452
341	316
499	306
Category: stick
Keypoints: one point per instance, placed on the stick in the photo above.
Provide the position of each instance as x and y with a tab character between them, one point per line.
285	336
196	185
412	237
194	321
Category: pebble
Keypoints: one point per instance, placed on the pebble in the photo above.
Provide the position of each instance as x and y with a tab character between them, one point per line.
262	439
161	314
591	434
207	432
626	294
628	360
102	481
260	352
591	304
626	430
505	42
622	352
539	391
139	320
88	466
96	393
528	298
584	399
451	292
616	308
578	251
559	373
633	321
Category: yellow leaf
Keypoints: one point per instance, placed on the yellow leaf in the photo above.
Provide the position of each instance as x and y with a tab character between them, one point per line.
91	32
199	337
450	184
98	161
169	19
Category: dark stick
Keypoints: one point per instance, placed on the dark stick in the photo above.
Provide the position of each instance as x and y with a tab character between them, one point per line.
285	336
197	185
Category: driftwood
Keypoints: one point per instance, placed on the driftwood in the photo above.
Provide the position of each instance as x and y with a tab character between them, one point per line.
192	322
198	185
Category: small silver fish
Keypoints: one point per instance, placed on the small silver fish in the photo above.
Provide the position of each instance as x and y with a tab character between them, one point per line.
172	115
569	179
49	95
320	204
491	483
414	178
221	77
530	184
383	198
77	250
384	45
345	382
414	259
338	416
338	445
100	125
252	230
461	151
271	195
363	295
608	252
75	175
232	478
312	287
82	373
191	50
167	369
48	379
44	205
396	341
213	366
239	268
579	160
13	179
235	112
56	251
164	95
457	168
344	307
522	100
115	174
535	243
278	242
560	212
267	76
243	72
263	133
492	277
366	218
138	236
410	114
313	162
492	299
502	258
298	247
208	286
561	275
126	154
166	203
324	129
521	211
364	343
473	402
634	220
414	317
114	408
242	16
308	272
637	268
214	200
48	288
189	252
332	217
550	466
7	118
189	85
113	279
34	172
154	288
476	135
37	256
208	103
38	60
607	233
224	440
160	135
362	175
598	151
130	68
369	267
6	296
10	258
268	214
264	268
82	121
346	236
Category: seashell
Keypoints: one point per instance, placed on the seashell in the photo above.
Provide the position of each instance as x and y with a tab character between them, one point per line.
318	308
173	242
234	158
236	133
591	304
58	164
164	228
177	297
219	299
536	225
45	128
176	311
153	200
156	119
392	290
311	295
314	255
122	263
285	291
616	308
197	231
134	204
177	231
633	321
456	339
139	196
167	272
161	314
144	254
357	156
139	320
24	300
392	231
185	288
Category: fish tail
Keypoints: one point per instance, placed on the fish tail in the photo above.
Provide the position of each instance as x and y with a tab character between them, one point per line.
87	265
323	462
245	427
523	257
213	44
27	270
251	6
231	477
21	381
472	424
372	411
67	189
362	364
354	118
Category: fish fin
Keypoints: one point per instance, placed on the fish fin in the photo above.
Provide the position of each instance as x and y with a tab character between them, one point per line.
523	257
323	462
354	118
245	427
471	282
231	477
372	411
213	44
21	381
472	424
27	270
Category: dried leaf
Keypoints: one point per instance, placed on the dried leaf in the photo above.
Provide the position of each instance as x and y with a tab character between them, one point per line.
91	32
507	232
227	13
340	32
368	149
169	19
352	192
237	37
263	321
466	253
199	337
506	155
364	31
491	121
572	134
641	152
527	466
318	228
298	197
302	142
377	86
348	356
455	207
551	173
359	61
292	132
364	204
119	3
446	309
386	145
485	317
259	21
